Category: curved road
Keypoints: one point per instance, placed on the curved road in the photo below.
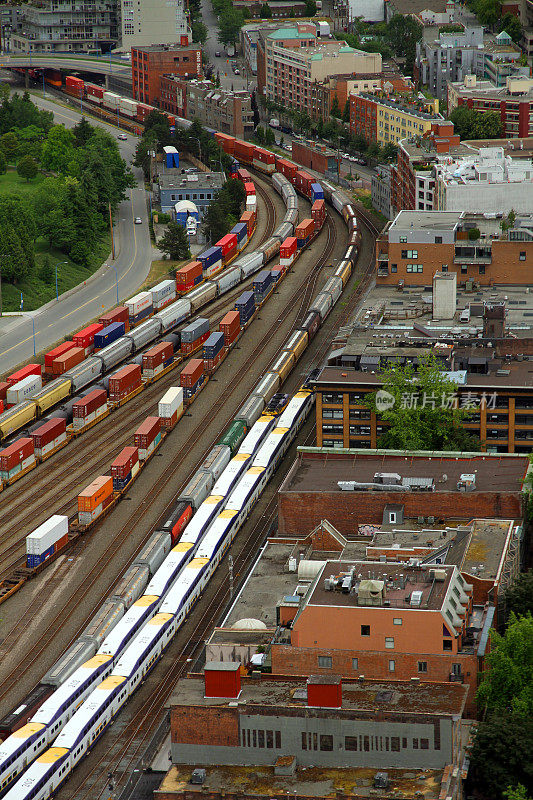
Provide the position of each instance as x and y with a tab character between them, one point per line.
58	319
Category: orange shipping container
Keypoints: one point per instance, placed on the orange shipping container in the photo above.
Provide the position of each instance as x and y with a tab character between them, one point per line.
68	360
94	494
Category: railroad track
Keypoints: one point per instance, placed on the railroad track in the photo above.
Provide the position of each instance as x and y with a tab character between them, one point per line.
53	478
215	412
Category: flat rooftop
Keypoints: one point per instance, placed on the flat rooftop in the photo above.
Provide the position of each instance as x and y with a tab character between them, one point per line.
173	178
400	697
401	580
433	220
485	547
260	781
320	469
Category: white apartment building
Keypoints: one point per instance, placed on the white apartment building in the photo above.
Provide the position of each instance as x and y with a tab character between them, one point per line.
145	22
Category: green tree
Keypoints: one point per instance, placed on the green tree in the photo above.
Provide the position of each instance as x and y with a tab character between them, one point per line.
3	163
229	24
46	271
199	32
512	25
518	792
266	12
5	91
27	168
346	112
15	267
500	756
402	35
519	596
508	679
58	150
215	222
175	242
335	110
488	125
470	124
83	131
9	145
310	8
414	403
488	12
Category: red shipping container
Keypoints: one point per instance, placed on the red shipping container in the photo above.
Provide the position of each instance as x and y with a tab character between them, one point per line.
4	386
24	372
146	432
1	406
94	91
188	276
304	181
249	188
305	228
192	372
288	247
15	453
157	355
86	405
243	175
286	168
48	432
85	337
212	363
318	212
67	360
124	462
265	156
243	151
189	347
226	142
230	325
55	353
249	218
70	80
125	381
228	243
282	269
59	545
118	314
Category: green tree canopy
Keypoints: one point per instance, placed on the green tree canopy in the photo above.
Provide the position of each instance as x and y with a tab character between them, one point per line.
470	124
518	792
335	110
230	23
175	242
508	681
519	596
199	32
266	11
3	163
27	167
420	409
82	131
500	756
346	112
58	151
9	144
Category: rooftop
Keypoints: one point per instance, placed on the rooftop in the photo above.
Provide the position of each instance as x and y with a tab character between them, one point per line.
400	104
173	178
400	697
261	781
421	148
434	220
502	472
485	547
517	88
490	166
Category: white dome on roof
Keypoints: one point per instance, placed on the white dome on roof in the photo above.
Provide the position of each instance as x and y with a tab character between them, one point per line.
249	624
185	205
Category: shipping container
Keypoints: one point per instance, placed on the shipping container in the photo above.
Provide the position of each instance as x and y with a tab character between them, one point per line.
192	332
249	218
17	458
118	314
94	91
197	490
241	232
90	408
189	276
318	213
175	521
249	188
20	374
286	168
163	294
139	307
230	325
85	337
23	390
245	305
228	246
305	229
288	248
157	358
311	324
251	203
96	493
192	373
4	386
109	334
125	467
50	436
51	394
124	382
146	433
212	261
278	272
317	193
171	402
68	360
213	345
244	151
226	142
47	534
55	353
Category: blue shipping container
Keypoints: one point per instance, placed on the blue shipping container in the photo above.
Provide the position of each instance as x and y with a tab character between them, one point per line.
120	483
263	281
33	560
302	242
234	167
213	345
109	335
241	229
194	330
146	312
246	300
190	391
317	192
210	257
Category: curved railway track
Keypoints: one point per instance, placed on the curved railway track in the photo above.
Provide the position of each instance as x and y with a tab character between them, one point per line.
216	411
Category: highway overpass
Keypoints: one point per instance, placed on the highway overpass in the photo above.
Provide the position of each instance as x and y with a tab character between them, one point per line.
71	62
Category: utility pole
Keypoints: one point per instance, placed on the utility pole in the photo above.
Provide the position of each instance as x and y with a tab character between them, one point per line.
112	234
230	570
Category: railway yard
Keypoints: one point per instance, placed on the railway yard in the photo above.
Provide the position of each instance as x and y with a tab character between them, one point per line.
49	611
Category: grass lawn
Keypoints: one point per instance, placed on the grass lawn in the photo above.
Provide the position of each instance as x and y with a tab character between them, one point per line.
35	291
161	270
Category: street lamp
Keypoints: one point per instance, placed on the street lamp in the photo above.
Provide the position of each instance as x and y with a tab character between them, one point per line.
57	292
116	277
199	145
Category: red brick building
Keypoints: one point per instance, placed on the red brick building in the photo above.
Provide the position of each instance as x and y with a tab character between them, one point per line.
513	103
149	64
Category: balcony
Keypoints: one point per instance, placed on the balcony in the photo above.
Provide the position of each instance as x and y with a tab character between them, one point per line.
456	677
472	255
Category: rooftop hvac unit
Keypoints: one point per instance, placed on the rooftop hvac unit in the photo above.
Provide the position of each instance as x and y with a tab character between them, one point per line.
392	478
371	593
416	598
438	574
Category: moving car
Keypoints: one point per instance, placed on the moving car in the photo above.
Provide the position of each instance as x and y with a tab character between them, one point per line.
122	137
138	221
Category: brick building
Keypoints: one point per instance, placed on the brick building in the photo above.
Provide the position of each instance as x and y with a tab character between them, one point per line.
513	102
384	620
311	492
150	63
316	157
218	108
390	117
416	244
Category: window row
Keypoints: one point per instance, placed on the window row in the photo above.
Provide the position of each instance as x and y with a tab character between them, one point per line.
261	739
366	744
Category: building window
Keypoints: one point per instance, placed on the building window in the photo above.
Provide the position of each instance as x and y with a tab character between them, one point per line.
522	255
304	740
414	267
481	269
261	739
447	644
444	268
365	630
325	662
422	666
278	738
397	621
392	665
395	744
403	239
415	744
366	744
464	270
389	642
438	239
456	669
326	742
350	743
424	744
355	663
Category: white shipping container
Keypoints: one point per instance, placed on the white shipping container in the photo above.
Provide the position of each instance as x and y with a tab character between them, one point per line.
79	422
139	303
50	447
163	292
24	389
111	100
86	517
213	268
47	534
135	469
171	402
251	202
128	106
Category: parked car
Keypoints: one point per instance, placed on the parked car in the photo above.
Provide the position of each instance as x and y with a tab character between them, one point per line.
217	53
237	71
122	137
138	221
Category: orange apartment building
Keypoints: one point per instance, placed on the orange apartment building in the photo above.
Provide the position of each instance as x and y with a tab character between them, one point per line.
151	62
388	621
417	244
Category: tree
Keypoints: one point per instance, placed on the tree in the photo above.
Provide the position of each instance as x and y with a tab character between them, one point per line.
512	25
174	242
266	12
199	32
310	8
402	35
419	407
335	110
83	131
4	91
46	272
229	24
470	124
519	596
58	150
3	164
518	792
9	144
488	12
346	112
508	681
27	168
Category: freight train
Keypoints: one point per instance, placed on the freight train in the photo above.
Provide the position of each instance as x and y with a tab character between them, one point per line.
206	517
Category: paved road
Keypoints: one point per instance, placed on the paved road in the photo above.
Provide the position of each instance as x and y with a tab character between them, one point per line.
133	254
221	63
72	62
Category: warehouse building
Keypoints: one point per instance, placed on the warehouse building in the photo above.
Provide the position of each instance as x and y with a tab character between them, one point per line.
199	188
